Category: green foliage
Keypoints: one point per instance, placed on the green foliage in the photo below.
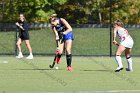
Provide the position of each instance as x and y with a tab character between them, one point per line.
75	11
42	16
126	10
55	2
40	3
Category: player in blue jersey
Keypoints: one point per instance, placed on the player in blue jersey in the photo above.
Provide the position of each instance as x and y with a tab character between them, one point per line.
23	36
63	30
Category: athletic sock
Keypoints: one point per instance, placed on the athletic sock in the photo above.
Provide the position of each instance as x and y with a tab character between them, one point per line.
69	59
119	61
58	58
20	53
129	61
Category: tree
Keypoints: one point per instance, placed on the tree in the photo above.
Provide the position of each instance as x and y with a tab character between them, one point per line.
34	10
126	10
75	11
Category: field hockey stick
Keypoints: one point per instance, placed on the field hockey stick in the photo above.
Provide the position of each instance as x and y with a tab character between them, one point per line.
51	66
58	43
16	38
115	43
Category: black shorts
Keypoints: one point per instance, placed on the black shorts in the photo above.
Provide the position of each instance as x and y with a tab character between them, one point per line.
24	36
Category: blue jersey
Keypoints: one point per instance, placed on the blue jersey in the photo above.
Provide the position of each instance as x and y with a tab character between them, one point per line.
61	28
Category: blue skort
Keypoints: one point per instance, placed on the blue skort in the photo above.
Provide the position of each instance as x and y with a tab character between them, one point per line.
69	36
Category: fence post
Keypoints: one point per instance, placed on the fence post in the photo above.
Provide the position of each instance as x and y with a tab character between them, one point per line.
110	27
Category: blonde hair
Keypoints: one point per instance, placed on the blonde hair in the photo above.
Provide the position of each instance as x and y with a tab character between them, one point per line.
23	16
53	17
118	23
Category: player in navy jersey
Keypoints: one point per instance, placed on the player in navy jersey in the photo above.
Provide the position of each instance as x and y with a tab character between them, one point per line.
23	36
63	30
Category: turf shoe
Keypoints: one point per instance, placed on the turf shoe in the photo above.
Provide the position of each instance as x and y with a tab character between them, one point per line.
19	56
118	69
127	69
29	57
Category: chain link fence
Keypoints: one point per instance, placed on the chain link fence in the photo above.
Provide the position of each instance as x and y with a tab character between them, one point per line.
90	40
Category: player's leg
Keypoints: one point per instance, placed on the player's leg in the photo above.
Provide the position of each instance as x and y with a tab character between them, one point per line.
27	42
129	59
119	51
68	54
20	55
58	54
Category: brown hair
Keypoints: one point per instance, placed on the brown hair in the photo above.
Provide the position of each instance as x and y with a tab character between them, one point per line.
119	23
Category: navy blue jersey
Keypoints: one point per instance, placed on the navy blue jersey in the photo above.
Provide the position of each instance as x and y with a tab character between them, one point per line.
60	27
24	25
23	34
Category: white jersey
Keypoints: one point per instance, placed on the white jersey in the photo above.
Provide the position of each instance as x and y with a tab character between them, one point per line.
125	38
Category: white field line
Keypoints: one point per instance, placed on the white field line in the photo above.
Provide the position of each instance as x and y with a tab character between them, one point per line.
4	61
118	91
106	91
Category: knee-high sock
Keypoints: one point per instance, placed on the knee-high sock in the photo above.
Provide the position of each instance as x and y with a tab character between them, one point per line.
129	61
119	61
58	57
69	59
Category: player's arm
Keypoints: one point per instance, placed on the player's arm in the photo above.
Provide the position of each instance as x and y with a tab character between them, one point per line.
17	24
114	37
68	27
57	39
56	33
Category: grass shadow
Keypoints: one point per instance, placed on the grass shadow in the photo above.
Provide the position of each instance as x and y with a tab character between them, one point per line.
38	69
99	70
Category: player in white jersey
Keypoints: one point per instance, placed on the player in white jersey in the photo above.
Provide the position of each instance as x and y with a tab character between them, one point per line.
126	44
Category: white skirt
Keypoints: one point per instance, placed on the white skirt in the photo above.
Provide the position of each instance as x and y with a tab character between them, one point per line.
128	42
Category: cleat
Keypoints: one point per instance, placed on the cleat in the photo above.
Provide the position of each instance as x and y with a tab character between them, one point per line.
19	56
118	69
29	57
127	69
69	68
